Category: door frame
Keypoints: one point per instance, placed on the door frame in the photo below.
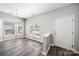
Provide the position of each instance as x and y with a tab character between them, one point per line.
73	33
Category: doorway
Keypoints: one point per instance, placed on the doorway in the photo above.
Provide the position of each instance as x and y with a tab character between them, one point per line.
64	32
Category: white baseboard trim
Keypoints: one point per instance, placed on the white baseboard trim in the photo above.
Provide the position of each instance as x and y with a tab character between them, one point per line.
52	44
75	51
45	53
7	39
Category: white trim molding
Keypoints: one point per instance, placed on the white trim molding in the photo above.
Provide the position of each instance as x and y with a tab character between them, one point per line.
45	53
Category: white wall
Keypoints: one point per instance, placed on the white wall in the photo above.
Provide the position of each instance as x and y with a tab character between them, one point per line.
8	18
46	20
76	41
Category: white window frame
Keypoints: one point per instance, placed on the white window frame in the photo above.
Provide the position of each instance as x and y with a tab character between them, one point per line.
12	28
35	32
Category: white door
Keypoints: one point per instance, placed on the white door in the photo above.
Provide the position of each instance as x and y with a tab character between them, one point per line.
63	32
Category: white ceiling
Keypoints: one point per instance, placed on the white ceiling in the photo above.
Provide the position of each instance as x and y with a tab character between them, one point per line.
26	10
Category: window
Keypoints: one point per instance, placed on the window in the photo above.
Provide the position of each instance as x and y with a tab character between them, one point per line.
9	29
35	30
20	29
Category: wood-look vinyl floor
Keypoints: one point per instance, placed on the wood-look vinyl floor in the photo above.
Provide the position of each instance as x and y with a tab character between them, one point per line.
20	47
28	47
58	51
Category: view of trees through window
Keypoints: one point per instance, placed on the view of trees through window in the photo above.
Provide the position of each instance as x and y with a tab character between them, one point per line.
9	29
35	30
20	29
